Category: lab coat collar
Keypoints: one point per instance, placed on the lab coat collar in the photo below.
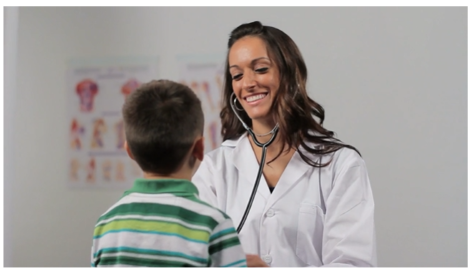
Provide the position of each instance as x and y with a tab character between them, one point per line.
295	169
246	162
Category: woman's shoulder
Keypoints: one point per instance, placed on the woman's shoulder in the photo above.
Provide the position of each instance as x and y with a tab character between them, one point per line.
342	158
224	151
347	157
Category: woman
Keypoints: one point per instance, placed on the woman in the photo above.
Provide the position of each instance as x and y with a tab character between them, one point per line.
314	204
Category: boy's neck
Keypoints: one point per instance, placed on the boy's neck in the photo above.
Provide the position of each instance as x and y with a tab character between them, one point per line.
182	175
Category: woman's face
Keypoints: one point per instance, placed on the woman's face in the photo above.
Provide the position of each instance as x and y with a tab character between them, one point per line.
255	77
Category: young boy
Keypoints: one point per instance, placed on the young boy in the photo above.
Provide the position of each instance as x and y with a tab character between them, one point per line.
161	221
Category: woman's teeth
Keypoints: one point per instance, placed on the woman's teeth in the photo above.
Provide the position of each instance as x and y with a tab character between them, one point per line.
255	97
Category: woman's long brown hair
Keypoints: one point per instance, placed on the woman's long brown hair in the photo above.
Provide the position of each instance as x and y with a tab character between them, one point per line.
293	109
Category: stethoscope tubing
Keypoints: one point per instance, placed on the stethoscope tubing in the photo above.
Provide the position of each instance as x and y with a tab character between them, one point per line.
261	166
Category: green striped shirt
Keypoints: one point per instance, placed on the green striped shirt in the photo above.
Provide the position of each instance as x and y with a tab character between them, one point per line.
159	223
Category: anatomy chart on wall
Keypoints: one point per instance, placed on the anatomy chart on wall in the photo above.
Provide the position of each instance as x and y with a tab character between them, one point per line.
96	90
204	75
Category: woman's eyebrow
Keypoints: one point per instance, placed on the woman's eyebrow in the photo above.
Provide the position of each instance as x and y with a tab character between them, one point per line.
252	62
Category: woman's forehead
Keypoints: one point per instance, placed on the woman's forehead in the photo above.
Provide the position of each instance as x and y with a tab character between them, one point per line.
246	50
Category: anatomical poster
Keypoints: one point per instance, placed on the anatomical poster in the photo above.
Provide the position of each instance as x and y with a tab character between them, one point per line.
96	90
204	75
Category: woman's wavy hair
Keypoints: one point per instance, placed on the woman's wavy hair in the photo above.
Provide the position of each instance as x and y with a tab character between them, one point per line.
293	109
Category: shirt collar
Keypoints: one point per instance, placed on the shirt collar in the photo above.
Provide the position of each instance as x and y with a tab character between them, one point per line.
179	187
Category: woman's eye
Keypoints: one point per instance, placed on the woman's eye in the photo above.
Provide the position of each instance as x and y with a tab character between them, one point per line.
262	70
237	76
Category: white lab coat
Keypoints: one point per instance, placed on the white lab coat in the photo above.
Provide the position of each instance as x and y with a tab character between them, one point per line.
302	222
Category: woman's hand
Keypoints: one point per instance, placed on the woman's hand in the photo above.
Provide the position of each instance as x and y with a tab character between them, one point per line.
255	261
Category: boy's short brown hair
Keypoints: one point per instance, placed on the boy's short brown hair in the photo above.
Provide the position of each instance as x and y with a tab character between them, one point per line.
162	120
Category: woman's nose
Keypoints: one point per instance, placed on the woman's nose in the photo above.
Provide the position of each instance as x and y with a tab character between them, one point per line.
249	81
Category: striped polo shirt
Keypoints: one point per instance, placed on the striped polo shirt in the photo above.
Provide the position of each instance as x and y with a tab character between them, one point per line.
163	223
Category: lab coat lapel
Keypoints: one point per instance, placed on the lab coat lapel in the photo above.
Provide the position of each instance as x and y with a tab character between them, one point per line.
295	169
246	162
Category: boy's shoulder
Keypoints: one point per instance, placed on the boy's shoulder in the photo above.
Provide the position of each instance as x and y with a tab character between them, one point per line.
215	212
192	210
112	210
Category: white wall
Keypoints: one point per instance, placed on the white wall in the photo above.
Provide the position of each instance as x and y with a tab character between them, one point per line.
10	62
393	82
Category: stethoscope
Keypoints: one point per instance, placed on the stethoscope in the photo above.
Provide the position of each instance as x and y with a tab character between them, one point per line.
261	166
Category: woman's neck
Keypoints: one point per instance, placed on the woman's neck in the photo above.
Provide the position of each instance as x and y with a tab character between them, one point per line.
262	128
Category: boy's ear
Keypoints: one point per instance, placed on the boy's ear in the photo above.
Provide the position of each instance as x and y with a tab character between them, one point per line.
198	149
128	150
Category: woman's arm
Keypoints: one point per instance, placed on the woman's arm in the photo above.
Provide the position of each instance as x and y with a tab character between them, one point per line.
349	229
203	180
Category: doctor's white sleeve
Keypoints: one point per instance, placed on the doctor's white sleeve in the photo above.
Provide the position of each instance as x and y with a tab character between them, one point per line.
349	231
203	179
